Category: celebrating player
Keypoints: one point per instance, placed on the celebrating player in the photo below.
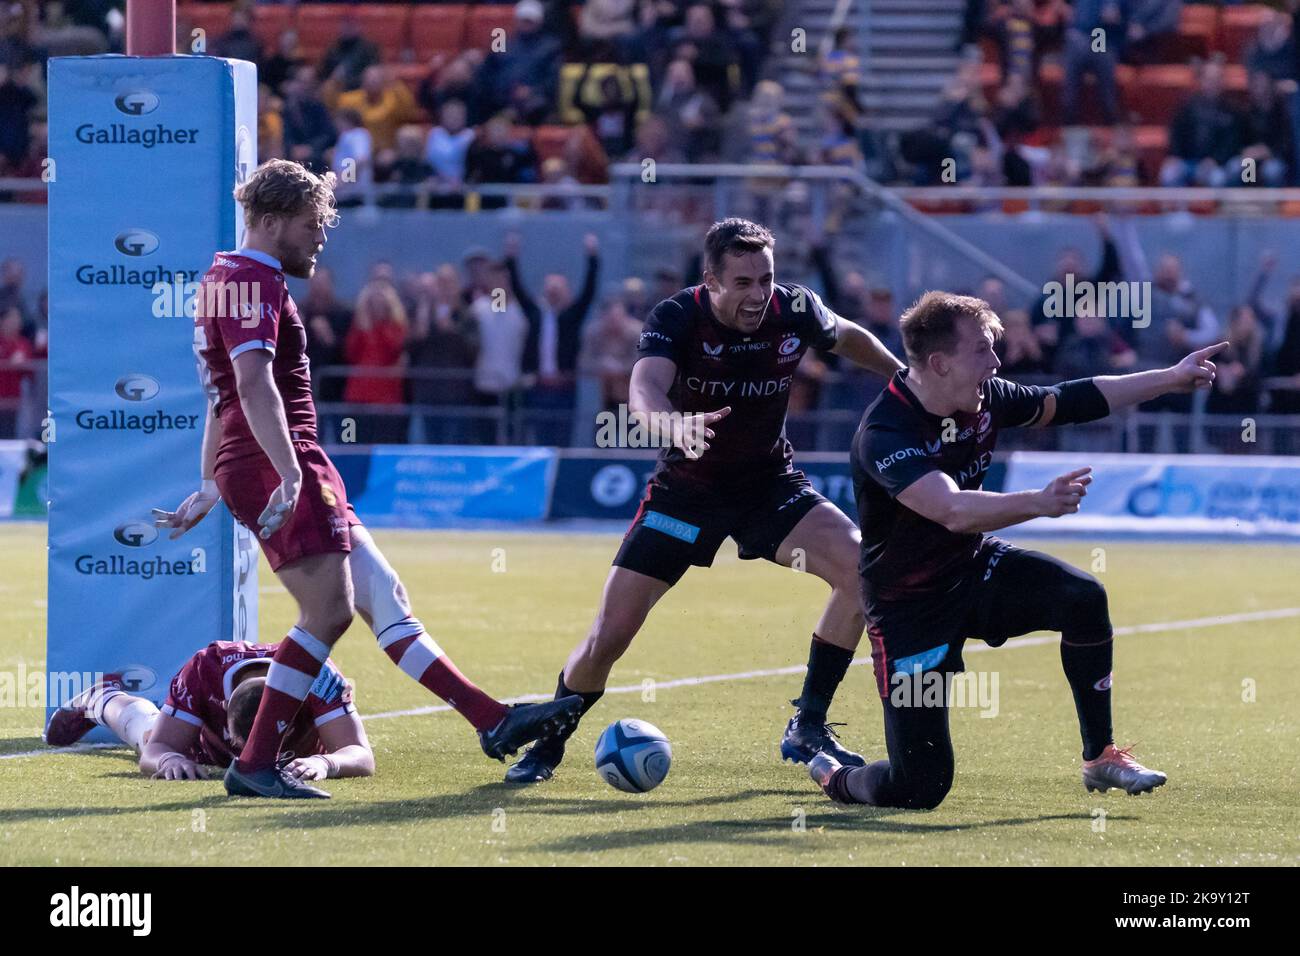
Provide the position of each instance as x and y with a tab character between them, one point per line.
260	456
208	715
717	361
930	575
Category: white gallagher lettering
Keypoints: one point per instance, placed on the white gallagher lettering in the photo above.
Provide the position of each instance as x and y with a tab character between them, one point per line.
103	909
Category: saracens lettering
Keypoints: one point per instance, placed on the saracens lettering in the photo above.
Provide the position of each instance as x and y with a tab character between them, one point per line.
120	134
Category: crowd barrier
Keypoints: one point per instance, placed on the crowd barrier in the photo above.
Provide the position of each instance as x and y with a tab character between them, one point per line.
448	486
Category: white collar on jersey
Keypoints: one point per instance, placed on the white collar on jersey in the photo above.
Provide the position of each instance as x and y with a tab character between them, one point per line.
262	257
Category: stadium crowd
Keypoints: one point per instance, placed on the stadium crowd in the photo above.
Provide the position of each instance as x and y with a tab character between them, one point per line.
417	349
1173	93
680	81
1111	93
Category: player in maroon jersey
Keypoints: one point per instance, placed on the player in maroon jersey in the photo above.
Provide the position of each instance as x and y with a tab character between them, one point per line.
208	715
261	456
717	361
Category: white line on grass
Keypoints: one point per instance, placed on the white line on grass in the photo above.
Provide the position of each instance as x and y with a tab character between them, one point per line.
1218	620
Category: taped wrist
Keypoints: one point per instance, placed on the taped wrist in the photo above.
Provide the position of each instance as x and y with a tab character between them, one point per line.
1079	401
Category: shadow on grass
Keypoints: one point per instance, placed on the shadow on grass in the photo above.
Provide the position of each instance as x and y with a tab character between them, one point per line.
483	800
776	831
207	801
19	745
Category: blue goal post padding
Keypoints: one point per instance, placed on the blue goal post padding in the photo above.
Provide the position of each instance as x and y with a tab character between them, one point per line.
147	152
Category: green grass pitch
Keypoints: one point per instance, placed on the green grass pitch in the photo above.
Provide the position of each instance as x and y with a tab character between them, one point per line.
1182	694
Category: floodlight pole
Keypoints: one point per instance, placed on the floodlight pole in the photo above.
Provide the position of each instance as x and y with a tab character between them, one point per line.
150	27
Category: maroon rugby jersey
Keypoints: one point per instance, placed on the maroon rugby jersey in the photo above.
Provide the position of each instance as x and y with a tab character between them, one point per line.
199	691
243	303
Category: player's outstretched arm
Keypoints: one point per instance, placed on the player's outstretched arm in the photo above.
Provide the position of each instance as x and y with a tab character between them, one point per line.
265	414
937	497
1193	372
863	349
163	756
348	752
194	508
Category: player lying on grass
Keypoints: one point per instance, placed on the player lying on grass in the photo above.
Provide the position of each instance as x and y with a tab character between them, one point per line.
260	455
931	577
208	715
721	357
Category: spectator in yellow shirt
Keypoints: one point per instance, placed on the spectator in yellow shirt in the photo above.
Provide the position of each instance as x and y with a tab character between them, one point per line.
384	105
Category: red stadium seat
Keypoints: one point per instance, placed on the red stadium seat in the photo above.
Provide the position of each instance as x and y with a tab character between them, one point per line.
269	23
1197	29
318	26
1152	143
481	21
1159	91
1237	29
1051	79
439	29
387	25
212	18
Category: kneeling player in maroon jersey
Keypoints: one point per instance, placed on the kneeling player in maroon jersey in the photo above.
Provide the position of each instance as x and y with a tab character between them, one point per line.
261	456
209	713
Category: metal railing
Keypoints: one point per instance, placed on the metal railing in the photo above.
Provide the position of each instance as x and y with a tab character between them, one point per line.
507	418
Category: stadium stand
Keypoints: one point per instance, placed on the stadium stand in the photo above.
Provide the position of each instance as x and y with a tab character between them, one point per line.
452	123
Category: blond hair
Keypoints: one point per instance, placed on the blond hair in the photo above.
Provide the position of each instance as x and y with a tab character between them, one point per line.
930	325
281	187
383	291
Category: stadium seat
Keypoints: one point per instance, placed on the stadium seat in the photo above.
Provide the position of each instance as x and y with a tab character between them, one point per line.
318	26
1051	80
269	23
439	29
1195	35
212	18
481	21
1237	29
1236	83
387	25
1152	143
1159	91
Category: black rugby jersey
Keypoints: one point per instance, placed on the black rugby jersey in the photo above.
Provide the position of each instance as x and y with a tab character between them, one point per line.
898	442
719	366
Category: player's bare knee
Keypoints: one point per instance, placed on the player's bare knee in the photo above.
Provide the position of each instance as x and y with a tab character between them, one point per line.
328	622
